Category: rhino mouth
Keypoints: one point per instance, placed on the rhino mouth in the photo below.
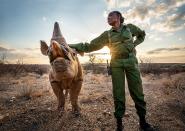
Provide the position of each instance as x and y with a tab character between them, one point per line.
60	64
62	69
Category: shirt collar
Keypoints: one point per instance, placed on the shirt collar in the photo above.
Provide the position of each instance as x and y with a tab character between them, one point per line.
119	30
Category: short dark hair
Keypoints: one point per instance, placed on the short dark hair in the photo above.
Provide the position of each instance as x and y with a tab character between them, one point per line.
118	14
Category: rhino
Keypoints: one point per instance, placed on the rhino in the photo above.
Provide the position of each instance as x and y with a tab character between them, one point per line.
66	72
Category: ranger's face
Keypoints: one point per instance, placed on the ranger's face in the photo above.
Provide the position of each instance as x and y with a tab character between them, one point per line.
112	19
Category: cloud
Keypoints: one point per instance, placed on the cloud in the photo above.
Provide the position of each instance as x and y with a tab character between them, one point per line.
114	4
158	39
161	50
32	49
159	10
105	14
139	15
168	59
29	55
174	3
140	11
169	55
111	4
2	49
180	39
124	3
171	23
149	2
166	6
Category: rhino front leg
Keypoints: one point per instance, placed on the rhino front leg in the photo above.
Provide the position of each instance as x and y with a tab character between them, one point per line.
66	93
74	93
58	91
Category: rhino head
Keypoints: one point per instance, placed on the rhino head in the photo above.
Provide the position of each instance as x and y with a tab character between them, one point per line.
58	46
61	56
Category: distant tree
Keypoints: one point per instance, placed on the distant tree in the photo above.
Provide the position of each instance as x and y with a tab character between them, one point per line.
3	58
92	59
146	65
20	61
145	60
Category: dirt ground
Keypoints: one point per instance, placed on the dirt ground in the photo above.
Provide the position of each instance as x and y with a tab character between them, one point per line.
27	103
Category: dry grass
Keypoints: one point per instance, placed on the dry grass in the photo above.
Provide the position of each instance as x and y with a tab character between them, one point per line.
177	82
32	85
174	84
96	102
25	91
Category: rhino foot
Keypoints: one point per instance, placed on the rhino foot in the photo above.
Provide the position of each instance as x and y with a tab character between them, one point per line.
76	112
61	111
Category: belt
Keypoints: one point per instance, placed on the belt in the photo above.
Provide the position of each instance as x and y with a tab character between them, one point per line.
120	56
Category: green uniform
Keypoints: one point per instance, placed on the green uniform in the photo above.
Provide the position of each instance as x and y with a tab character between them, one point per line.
123	62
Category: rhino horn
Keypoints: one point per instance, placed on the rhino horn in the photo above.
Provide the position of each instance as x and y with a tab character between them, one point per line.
57	35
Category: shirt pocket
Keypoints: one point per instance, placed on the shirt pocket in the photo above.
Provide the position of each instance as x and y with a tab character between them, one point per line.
127	39
126	36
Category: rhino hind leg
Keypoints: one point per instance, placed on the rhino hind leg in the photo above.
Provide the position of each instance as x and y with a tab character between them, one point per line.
74	93
58	91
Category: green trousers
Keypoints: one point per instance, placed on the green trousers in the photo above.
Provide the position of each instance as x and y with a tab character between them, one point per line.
128	67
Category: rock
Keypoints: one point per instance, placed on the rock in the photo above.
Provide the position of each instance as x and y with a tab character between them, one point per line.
49	108
127	115
99	119
97	129
4	117
32	108
12	99
106	112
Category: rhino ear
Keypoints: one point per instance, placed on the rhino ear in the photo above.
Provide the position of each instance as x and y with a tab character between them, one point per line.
43	47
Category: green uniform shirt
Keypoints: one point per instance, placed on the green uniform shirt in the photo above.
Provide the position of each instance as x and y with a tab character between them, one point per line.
119	41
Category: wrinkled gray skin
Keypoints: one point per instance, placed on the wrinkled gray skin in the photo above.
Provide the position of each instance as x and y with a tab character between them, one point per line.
66	72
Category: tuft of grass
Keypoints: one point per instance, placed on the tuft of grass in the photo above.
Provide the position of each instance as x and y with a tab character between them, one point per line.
174	82
25	91
37	94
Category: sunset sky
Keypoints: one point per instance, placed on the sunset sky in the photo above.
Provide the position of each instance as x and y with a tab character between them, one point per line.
23	23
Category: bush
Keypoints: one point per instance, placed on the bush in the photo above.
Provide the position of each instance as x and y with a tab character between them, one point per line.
25	91
175	82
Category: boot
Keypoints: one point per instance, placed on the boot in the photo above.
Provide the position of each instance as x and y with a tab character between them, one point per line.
119	124
144	126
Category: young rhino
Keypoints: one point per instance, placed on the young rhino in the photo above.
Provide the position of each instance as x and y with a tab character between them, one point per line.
66	72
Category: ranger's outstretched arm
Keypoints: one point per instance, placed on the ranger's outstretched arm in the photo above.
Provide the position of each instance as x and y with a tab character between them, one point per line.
94	45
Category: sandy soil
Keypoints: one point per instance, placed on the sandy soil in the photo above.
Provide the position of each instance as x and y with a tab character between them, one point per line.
20	112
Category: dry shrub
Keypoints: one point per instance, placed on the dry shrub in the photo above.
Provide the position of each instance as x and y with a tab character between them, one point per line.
32	86
25	91
177	82
97	68
98	78
37	93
